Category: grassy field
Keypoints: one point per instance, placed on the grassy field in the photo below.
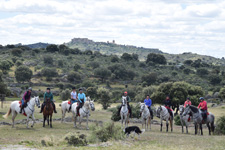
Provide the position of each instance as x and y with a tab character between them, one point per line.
149	140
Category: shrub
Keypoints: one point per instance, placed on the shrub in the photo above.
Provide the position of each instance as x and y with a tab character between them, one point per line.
156	58
76	139
220	126
104	96
76	67
127	57
109	131
149	78
92	92
60	63
177	120
52	48
102	73
87	84
60	85
94	64
114	58
65	95
215	79
19	63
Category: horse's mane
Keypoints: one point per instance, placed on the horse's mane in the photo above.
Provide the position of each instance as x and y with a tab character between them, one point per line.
194	109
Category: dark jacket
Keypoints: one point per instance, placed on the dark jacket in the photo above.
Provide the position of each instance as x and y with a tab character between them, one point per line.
167	102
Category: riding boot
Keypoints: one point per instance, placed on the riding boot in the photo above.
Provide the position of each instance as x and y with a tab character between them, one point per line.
70	107
151	114
22	107
54	107
119	111
42	107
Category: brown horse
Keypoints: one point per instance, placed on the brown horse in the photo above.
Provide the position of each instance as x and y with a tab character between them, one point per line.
47	112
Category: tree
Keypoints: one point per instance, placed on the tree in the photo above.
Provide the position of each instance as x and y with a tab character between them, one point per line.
62	48
49	72
48	59
60	63
5	65
114	58
76	67
120	72
65	95
104	97
188	62
202	72
17	52
126	57
3	88
215	79
149	78
92	92
156	58
19	63
73	77
23	73
222	93
94	64
52	48
135	56
102	73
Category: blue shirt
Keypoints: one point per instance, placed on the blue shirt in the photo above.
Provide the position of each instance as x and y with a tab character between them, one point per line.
148	102
81	96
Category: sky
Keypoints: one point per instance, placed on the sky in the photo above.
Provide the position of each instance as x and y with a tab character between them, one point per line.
173	26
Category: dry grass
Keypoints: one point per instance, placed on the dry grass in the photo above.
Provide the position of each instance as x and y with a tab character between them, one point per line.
153	139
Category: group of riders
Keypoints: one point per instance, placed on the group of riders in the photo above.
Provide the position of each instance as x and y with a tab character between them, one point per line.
80	98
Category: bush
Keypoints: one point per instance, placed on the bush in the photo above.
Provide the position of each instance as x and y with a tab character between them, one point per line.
109	131
19	63
94	64
65	95
76	67
76	139
87	84
23	73
60	85
102	73
60	63
202	72
149	78
104	96
114	58
52	48
220	126
92	92
156	58
177	120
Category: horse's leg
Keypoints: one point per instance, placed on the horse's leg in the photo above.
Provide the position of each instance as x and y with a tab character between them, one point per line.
186	124
201	129
33	119
28	116
44	120
80	119
48	119
167	125
171	125
63	115
161	125
14	114
209	128
182	125
150	120
87	122
51	121
122	121
212	127
142	123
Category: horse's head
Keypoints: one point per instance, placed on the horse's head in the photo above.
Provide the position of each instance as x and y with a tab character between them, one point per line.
158	111
37	101
181	109
142	107
91	103
187	110
124	101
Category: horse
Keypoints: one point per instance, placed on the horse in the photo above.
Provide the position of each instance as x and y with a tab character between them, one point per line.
184	119
124	112
145	115
27	111
65	106
198	119
83	112
47	112
163	114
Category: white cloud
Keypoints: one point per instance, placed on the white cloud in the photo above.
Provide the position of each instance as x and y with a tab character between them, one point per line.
173	26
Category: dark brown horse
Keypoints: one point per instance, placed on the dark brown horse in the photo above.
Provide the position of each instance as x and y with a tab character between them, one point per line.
47	112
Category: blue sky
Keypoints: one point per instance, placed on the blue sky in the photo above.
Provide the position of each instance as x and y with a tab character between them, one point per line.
173	26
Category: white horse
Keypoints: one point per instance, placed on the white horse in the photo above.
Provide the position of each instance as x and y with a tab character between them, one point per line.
29	110
163	114
185	120
145	115
84	111
124	112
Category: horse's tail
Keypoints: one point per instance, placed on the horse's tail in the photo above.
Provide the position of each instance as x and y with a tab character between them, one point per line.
7	114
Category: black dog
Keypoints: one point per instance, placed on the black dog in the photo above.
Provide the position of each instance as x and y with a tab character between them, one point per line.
134	129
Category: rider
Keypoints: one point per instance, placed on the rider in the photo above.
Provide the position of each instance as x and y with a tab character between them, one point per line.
187	102
73	97
148	103
81	100
203	106
167	104
48	95
26	98
128	101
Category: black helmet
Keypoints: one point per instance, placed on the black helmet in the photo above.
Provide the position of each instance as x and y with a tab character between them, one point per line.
73	88
80	89
48	88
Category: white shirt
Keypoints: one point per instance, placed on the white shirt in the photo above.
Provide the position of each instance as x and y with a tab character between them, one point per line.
74	95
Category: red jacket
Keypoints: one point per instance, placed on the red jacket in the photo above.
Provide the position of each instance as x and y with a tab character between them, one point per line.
203	105
187	103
